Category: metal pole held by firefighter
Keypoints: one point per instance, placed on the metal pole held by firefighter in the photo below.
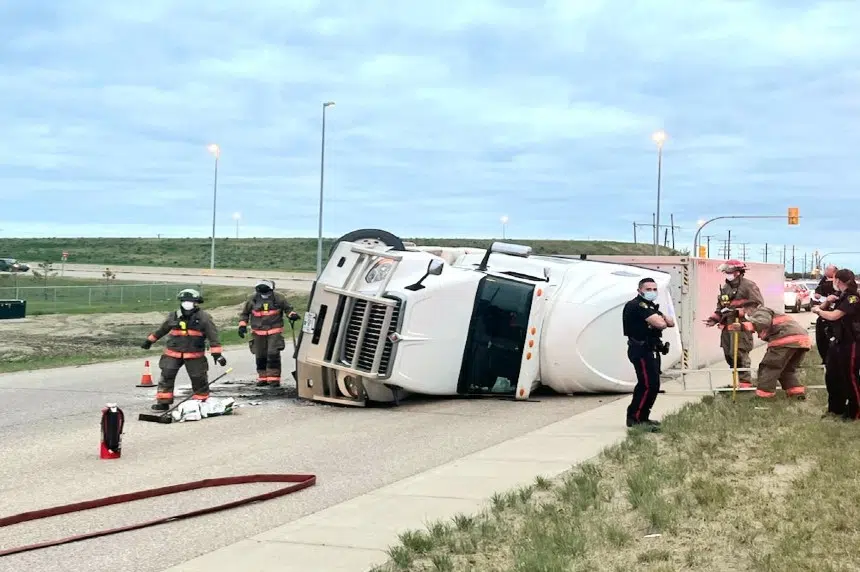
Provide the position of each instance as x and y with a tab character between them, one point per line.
736	338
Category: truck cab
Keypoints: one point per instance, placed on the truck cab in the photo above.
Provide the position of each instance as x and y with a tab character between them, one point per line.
386	321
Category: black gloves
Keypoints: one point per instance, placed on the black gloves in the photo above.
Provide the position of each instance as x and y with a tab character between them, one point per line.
146	344
242	331
219	359
293	316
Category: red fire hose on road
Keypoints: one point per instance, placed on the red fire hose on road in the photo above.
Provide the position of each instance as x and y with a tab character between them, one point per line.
299	482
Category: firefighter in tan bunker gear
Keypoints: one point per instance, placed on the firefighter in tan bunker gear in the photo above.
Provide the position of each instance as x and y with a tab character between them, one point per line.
787	345
734	293
265	310
187	330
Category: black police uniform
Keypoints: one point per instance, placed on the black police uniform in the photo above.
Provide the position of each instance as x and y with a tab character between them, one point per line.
643	343
822	327
843	361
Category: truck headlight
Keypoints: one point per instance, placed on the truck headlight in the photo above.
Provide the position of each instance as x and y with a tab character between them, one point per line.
379	271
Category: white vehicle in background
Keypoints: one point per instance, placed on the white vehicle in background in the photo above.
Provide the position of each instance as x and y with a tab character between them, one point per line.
387	319
797	297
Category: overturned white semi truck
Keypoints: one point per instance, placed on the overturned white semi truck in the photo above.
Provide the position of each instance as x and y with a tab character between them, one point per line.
387	319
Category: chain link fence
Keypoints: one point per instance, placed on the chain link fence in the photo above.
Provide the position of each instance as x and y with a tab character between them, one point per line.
125	297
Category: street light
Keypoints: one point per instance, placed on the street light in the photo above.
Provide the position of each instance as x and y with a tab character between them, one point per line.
659	137
703	224
504	224
236	217
322	170
215	150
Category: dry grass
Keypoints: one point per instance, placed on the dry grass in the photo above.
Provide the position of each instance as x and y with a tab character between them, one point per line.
725	487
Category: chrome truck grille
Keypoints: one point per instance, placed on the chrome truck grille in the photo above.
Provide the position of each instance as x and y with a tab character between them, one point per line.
376	332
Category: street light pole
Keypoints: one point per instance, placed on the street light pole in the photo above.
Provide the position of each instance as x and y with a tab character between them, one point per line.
823	256
215	150
659	138
703	224
322	171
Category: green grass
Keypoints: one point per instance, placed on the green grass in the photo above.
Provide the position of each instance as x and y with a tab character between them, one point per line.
286	254
727	486
77	339
89	296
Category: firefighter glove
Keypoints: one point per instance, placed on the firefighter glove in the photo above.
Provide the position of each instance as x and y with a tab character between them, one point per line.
293	316
219	359
242	331
146	344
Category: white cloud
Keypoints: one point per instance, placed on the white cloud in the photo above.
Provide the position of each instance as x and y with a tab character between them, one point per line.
448	115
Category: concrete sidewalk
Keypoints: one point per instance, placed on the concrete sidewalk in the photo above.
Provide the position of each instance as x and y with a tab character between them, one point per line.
353	536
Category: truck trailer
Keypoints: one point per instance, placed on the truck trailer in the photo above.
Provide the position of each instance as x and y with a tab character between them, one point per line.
387	319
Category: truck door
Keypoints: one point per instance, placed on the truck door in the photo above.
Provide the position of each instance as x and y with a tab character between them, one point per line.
530	365
493	356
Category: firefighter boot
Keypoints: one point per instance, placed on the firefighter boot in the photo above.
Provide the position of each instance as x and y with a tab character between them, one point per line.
160	406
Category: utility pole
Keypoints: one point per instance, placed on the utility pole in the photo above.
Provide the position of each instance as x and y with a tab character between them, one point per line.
804	265
729	246
792	259
765	252
672	226
743	246
708	238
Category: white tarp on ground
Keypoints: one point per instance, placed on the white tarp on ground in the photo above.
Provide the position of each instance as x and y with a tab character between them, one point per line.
194	410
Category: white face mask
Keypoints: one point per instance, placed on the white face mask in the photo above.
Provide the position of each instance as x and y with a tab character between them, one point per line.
187	306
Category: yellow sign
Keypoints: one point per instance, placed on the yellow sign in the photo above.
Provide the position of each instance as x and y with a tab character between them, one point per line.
703	251
793	215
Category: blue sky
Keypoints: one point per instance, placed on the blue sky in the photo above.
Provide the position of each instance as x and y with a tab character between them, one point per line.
448	116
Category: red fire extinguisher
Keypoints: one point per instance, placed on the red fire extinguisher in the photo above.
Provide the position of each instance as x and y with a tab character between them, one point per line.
113	420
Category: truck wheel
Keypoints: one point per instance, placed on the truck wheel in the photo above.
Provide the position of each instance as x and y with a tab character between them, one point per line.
797	307
372	238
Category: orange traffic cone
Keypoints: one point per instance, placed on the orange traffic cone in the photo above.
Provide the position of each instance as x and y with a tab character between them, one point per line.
146	378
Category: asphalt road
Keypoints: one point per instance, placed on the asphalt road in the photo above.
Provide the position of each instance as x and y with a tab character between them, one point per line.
49	440
296	281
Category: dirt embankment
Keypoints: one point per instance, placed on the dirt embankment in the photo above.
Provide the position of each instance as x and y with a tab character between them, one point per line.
61	335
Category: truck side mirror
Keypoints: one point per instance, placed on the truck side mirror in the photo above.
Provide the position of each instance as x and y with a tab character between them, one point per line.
434	267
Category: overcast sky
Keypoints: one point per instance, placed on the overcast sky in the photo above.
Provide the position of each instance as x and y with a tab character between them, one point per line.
448	116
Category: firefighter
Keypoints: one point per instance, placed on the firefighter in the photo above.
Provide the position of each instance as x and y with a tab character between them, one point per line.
840	377
736	291
187	330
265	310
787	345
643	324
823	291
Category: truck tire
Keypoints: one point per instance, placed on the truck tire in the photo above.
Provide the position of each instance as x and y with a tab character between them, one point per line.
370	237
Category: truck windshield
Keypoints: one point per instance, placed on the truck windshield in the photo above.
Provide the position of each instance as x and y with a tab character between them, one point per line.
497	334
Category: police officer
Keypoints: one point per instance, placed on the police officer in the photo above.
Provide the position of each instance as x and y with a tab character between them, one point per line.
843	388
643	325
824	290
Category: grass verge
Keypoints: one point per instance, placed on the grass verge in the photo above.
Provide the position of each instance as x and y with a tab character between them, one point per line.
86	296
726	487
285	254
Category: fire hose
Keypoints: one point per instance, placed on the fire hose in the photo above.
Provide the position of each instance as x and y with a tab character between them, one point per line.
298	481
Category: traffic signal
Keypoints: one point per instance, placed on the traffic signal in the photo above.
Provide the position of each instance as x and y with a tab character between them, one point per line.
793	215
703	251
